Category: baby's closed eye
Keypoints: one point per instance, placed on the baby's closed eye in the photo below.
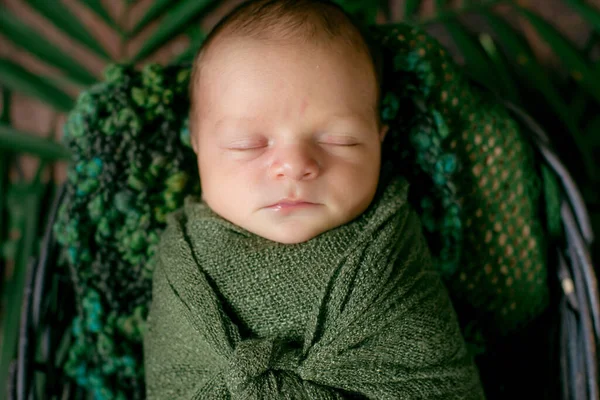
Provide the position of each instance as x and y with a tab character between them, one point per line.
336	140
246	144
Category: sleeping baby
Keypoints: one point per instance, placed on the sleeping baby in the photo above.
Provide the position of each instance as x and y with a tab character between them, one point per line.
301	272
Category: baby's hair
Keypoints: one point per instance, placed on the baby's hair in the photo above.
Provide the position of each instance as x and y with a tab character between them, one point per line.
311	21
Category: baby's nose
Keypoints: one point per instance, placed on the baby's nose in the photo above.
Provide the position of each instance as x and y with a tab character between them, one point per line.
296	162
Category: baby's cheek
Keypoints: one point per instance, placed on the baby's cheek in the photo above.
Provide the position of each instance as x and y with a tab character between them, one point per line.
237	186
355	188
359	172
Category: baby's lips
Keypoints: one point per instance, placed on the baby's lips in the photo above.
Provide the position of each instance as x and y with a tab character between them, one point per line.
287	207
290	204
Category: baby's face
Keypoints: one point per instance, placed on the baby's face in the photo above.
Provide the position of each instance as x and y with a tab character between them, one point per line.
282	124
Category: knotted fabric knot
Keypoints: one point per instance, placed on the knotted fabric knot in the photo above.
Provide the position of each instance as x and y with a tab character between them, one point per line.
251	369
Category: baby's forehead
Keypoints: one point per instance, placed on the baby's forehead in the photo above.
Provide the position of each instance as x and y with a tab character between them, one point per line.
241	68
218	52
238	55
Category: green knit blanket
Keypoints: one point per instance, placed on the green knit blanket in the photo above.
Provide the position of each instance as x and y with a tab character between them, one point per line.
357	312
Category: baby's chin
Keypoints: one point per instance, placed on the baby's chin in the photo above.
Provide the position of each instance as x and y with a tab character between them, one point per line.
291	233
297	228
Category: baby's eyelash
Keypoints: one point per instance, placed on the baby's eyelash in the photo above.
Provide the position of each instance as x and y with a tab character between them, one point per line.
339	140
246	148
246	145
342	144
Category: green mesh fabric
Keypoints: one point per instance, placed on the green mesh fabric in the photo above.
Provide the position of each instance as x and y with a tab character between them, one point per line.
473	182
502	276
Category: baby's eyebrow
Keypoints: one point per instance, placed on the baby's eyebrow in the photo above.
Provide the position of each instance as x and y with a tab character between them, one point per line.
344	116
233	121
232	124
347	118
337	121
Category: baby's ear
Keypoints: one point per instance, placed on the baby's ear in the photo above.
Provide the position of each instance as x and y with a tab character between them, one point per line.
382	132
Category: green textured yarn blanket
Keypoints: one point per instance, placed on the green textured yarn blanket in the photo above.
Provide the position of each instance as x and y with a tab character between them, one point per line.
357	312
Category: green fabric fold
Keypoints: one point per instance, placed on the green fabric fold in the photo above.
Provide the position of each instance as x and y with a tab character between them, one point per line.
355	313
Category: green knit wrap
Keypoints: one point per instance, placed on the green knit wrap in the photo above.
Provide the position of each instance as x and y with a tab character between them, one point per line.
357	312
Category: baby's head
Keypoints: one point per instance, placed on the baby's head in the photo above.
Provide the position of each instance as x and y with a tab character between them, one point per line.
285	98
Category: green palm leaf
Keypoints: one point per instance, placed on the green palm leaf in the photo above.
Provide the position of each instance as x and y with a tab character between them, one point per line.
534	74
20	34
174	23
522	56
24	142
501	67
62	18
17	78
386	9
197	36
4	170
478	64
363	10
468	7
579	68
592	130
411	7
97	7
156	10
6	100
591	14
26	200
